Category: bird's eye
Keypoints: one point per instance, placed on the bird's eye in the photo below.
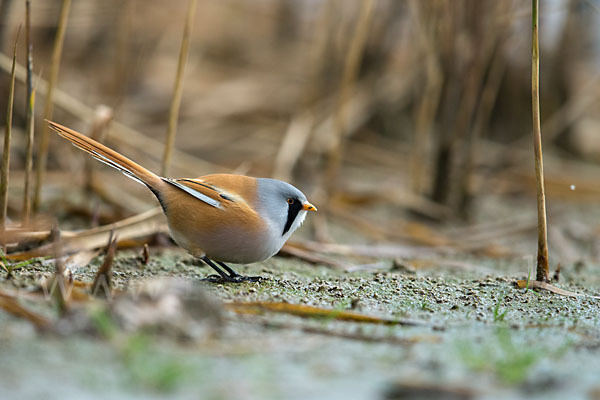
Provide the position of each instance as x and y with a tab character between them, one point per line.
290	201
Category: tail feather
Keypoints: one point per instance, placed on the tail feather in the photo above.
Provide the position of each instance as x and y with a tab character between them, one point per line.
109	156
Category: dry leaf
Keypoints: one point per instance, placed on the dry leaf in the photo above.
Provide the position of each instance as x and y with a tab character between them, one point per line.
305	311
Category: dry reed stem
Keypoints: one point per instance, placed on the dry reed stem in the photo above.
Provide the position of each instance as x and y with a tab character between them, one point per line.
6	148
30	114
49	105
318	57
564	117
460	139
369	93
429	102
144	224
483	114
490	86
542	274
572	110
350	72
314	258
102	118
294	142
122	45
5	6
117	195
301	127
120	133
178	90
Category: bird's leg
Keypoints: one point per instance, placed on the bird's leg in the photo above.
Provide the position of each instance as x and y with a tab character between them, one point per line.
222	273
224	277
227	268
235	275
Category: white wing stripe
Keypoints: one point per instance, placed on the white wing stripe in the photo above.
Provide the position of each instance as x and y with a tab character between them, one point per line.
200	196
110	163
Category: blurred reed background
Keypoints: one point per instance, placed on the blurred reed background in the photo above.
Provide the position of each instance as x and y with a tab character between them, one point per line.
419	108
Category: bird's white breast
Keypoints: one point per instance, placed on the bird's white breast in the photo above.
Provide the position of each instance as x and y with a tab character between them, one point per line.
236	245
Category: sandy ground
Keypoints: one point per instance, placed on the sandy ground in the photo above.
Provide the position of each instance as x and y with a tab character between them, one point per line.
478	336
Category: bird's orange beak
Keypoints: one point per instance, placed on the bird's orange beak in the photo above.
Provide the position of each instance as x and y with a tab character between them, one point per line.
308	207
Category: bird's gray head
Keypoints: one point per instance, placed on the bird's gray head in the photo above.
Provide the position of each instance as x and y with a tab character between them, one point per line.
283	205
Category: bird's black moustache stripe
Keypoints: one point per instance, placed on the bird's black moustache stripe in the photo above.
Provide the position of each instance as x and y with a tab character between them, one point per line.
293	210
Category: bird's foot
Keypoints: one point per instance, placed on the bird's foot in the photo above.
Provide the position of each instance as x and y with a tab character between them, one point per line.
227	277
232	279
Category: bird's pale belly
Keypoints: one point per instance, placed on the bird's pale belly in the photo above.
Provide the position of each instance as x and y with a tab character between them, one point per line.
227	244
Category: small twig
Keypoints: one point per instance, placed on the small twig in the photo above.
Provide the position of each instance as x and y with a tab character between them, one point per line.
542	257
146	223
30	114
11	305
6	149
49	105
527	284
145	256
103	277
177	92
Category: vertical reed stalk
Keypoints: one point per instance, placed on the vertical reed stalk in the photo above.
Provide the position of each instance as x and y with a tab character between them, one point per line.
5	6
301	126
102	117
430	100
482	117
176	100
351	65
6	149
29	128
122	44
542	257
49	106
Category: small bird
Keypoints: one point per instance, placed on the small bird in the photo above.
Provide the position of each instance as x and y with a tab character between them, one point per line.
219	217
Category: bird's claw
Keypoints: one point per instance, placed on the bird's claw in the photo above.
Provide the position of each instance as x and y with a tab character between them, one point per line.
232	279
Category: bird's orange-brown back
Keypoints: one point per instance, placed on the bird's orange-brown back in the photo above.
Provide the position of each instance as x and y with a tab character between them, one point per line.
190	218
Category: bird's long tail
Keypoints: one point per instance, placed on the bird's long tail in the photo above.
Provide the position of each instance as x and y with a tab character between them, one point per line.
109	157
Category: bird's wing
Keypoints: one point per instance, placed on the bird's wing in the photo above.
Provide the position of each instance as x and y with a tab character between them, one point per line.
202	192
223	188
